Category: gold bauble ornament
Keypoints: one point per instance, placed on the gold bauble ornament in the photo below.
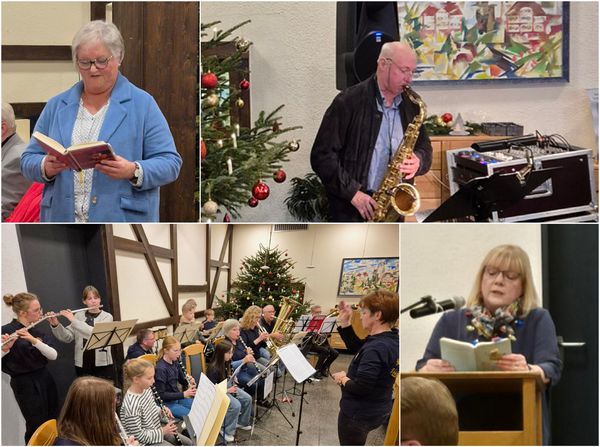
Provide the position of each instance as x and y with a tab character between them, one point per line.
239	102
242	44
211	100
294	145
210	207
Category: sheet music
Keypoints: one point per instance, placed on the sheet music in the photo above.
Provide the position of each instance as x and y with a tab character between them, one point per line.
203	401
328	325
268	384
295	362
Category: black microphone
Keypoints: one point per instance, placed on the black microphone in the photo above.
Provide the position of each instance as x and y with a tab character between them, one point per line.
498	145
434	307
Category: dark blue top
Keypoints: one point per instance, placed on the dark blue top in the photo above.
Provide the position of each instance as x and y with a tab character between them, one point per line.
135	351
208	325
372	372
536	340
23	357
166	379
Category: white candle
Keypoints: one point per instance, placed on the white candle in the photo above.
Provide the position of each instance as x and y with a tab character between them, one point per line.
234	138
215	31
229	166
220	143
237	130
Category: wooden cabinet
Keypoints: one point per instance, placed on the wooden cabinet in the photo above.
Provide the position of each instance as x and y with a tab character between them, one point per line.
433	186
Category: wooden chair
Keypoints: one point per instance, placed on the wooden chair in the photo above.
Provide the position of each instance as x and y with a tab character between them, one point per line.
45	434
392	435
152	358
194	360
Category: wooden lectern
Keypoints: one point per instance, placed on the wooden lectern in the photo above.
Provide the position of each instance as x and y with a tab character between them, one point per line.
528	385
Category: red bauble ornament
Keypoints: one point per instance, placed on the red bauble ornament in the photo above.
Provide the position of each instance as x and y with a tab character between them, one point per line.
253	203
226	218
447	117
244	84
202	150
279	176
260	191
209	80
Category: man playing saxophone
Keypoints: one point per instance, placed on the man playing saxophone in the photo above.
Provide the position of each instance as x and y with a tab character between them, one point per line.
361	131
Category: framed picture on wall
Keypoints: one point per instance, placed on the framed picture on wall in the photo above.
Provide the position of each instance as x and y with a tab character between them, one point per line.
360	276
487	41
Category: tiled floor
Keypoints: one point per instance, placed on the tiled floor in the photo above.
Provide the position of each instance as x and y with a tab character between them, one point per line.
319	416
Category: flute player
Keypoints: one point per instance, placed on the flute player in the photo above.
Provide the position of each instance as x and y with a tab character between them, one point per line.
24	359
97	362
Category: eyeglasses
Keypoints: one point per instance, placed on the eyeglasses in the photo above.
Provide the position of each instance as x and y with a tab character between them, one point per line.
405	70
100	63
492	272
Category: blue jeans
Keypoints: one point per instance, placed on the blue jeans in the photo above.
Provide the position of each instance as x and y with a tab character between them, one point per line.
266	355
180	407
239	411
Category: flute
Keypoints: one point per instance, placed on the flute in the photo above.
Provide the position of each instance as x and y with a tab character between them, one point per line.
45	317
122	432
163	411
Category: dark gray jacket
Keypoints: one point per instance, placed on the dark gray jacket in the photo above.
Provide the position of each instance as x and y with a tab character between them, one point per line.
343	148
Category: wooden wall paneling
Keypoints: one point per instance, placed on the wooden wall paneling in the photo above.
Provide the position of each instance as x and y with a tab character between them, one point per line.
174	271
128	17
36	52
219	264
140	234
162	47
98	10
209	297
110	261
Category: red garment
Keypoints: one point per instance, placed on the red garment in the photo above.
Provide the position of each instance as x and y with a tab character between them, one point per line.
28	208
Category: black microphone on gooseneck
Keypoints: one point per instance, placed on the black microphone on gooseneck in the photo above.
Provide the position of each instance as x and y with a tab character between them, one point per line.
433	307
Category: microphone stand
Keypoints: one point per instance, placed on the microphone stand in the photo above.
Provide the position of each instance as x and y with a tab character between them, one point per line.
426	301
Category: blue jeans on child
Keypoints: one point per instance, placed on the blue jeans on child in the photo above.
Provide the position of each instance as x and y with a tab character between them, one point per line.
180	407
239	411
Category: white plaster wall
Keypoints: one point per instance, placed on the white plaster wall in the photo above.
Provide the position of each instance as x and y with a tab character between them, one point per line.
39	23
441	260
323	246
191	246
292	62
13	281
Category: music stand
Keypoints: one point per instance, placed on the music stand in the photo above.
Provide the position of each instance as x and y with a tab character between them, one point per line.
185	333
256	378
107	334
300	370
483	195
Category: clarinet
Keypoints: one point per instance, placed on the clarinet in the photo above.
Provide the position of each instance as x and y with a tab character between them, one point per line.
248	350
185	374
163	412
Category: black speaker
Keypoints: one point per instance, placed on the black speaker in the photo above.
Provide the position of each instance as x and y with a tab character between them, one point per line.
362	28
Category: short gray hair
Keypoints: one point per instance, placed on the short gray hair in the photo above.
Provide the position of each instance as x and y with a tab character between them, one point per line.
8	115
99	31
229	325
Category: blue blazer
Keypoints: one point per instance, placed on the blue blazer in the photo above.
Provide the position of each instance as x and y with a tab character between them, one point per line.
136	129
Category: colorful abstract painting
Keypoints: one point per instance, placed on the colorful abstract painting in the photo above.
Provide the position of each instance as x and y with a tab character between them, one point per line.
483	41
360	276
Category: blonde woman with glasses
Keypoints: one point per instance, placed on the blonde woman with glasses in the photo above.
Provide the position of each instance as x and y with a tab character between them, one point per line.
503	303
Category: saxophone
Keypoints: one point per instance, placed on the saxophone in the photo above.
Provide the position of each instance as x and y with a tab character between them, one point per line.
395	197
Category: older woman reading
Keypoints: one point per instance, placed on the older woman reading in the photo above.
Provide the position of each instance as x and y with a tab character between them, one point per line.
104	106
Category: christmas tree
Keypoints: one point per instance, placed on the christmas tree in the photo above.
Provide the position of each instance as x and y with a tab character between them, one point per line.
235	159
265	278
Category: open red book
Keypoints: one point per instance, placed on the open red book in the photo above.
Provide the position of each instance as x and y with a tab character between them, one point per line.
79	156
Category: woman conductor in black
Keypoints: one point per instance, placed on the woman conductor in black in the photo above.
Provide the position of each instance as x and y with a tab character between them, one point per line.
366	401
